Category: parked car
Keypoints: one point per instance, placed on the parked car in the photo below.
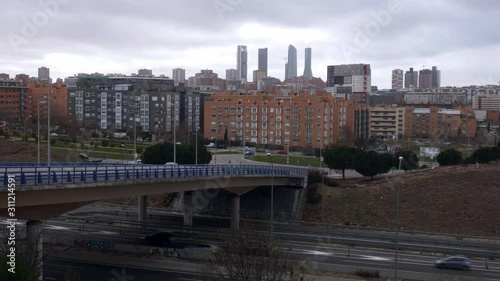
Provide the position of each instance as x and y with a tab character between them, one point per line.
171	164
249	153
454	263
281	152
210	145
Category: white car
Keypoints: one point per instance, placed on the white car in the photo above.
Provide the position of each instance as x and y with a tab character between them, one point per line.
171	164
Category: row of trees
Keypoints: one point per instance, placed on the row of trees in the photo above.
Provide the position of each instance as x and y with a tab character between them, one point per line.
367	163
185	154
482	155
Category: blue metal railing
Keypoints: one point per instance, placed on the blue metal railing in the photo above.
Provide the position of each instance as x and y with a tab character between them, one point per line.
34	175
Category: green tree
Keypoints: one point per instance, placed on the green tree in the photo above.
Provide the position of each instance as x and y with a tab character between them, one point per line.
164	152
368	163
409	162
485	154
340	158
386	162
449	157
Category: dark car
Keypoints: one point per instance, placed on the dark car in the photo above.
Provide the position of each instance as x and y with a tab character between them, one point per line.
159	239
281	152
172	240
249	153
83	156
454	263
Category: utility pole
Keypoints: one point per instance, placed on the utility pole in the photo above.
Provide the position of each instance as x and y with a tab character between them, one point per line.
48	126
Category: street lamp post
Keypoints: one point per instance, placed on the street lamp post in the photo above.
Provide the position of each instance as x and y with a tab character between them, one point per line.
48	127
322	186
397	224
272	195
468	141
26	119
196	145
172	105
135	139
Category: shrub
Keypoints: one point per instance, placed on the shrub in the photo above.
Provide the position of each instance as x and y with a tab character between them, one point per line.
331	182
367	273
449	157
6	135
52	141
105	143
312	194
314	175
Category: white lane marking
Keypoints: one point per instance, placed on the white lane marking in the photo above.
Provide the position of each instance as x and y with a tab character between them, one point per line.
317	253
374	258
56	227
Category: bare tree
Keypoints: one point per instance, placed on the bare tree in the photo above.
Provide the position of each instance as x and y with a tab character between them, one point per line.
29	252
250	256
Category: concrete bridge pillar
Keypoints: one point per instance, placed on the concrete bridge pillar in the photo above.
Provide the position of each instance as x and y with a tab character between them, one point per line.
188	208
143	210
235	212
35	245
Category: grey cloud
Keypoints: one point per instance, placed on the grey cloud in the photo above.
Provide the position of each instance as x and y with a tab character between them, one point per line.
169	34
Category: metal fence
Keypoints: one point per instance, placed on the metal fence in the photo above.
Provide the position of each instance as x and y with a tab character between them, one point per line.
34	175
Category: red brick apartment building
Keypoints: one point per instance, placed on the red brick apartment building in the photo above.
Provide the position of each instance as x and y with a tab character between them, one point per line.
297	119
12	101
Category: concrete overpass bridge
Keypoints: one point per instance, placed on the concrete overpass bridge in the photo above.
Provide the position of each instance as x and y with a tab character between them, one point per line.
36	193
43	192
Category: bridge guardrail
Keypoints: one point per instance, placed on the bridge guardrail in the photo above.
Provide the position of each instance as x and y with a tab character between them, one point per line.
60	175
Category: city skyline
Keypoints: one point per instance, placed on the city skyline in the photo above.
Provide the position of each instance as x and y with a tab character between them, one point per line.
465	60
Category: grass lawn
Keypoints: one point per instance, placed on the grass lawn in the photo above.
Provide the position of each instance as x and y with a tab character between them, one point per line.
293	160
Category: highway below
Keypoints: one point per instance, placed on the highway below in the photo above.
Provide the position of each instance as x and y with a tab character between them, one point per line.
55	269
319	251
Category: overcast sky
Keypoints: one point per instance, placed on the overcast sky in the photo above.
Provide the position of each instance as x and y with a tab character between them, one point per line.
460	37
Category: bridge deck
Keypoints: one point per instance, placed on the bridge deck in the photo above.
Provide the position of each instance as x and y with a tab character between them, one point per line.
31	175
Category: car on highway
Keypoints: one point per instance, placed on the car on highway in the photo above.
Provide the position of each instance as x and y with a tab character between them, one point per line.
171	240
249	153
453	263
281	152
171	164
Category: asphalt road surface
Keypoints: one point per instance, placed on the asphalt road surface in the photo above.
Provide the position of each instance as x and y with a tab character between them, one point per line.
55	270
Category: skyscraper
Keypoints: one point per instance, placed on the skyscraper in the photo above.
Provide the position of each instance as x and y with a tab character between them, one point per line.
291	66
436	77
397	79
44	74
307	69
411	79
242	60
179	75
425	79
263	60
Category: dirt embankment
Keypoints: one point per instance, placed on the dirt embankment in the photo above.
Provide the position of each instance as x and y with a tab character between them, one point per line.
461	200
